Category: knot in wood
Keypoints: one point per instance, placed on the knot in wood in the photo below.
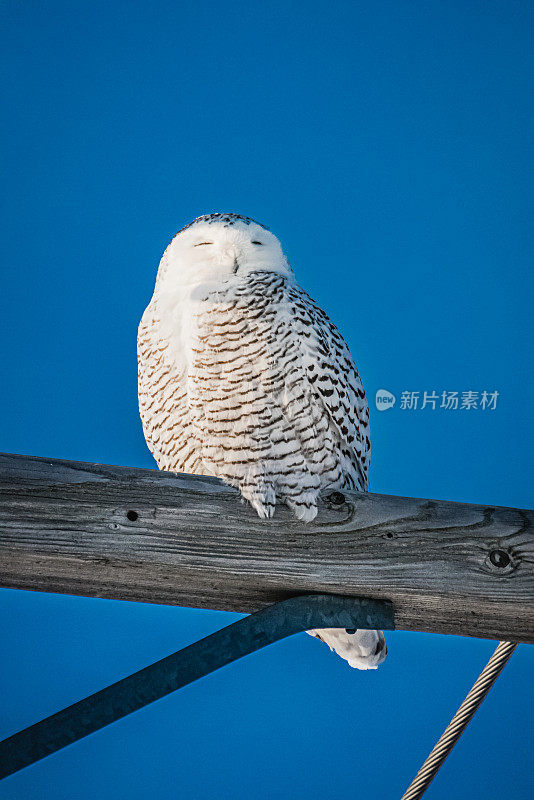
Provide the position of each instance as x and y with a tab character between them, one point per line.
336	498
499	558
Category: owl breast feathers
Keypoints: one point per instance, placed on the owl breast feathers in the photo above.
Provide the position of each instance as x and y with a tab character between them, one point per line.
242	376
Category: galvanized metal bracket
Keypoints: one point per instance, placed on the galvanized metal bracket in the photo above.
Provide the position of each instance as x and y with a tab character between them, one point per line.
213	652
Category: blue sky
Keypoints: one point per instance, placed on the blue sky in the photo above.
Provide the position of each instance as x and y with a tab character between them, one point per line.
389	147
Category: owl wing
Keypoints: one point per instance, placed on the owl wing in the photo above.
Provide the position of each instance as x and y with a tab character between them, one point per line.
335	382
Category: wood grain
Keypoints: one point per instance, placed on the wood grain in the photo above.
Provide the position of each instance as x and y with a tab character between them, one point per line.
447	567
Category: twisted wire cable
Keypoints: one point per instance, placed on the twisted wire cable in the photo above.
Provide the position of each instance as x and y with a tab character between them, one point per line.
460	721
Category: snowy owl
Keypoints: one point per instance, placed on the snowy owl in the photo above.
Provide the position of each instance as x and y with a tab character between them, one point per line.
242	376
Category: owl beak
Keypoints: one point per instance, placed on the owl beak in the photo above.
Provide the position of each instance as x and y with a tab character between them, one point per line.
229	259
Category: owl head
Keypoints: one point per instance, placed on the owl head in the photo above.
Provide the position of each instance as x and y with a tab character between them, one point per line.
217	248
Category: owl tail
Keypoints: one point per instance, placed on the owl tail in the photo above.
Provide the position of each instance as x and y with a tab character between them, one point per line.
361	648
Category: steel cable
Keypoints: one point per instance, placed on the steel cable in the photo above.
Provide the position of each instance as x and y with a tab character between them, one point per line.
460	721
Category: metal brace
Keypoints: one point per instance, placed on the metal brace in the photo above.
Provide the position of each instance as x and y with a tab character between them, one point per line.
189	664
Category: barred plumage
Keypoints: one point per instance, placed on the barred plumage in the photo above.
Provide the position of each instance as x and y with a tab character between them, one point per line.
243	376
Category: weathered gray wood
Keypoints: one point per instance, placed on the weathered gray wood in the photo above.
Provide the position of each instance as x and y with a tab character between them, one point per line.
64	527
